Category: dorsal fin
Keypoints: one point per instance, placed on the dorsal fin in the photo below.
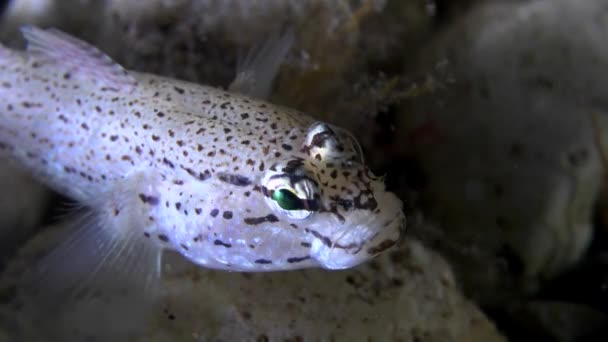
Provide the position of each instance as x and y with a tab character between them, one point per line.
257	70
83	58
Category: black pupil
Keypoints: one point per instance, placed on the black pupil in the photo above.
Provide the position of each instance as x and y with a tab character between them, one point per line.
287	199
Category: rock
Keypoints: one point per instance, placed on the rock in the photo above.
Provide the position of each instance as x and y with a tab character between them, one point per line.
407	295
507	143
196	40
23	203
556	321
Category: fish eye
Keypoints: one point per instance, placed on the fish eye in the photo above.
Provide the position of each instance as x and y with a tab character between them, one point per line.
293	196
287	199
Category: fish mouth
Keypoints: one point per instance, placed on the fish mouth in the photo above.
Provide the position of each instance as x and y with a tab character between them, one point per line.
356	246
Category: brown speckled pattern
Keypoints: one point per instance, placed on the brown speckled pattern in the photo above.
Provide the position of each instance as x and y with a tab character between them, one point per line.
196	161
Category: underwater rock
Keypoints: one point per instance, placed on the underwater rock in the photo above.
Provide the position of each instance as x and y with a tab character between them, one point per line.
506	141
195	40
407	295
23	203
556	321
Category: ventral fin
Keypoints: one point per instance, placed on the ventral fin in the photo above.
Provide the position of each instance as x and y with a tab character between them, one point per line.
257	70
79	57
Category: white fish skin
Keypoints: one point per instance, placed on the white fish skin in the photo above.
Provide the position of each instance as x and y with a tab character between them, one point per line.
167	164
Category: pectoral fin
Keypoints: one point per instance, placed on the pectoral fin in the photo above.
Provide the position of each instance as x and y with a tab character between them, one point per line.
105	250
96	256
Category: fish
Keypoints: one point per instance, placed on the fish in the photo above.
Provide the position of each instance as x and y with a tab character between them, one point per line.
223	177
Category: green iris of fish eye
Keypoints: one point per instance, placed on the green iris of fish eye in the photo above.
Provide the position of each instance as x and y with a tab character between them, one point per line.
287	200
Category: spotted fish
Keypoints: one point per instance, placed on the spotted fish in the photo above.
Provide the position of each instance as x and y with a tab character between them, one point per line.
229	181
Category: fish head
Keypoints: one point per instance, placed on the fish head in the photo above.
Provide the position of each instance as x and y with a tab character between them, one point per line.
333	200
317	206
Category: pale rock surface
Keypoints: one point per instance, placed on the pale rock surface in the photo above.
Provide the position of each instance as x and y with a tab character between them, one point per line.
408	294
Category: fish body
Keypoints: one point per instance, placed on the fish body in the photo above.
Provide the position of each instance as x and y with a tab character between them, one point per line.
229	181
